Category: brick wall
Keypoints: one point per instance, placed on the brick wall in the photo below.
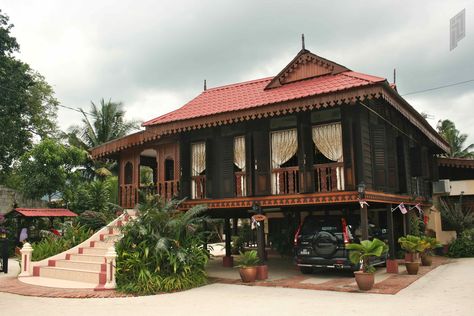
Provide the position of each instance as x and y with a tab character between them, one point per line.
8	198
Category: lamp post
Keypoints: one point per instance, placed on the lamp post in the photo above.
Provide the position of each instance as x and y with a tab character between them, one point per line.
364	219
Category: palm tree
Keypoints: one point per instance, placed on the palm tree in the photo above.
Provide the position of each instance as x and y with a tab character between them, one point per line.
108	123
453	136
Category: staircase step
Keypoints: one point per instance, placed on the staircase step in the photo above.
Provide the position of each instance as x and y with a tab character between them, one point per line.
93	251
73	274
103	244
86	258
78	265
109	237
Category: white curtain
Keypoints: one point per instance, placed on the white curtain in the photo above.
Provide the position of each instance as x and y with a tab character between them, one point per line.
239	161
284	146
198	165
328	140
198	158
239	152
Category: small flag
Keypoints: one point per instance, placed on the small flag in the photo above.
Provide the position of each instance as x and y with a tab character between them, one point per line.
457	29
362	203
402	208
420	210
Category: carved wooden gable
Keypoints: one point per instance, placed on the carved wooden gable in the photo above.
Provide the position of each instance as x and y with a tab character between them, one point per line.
305	65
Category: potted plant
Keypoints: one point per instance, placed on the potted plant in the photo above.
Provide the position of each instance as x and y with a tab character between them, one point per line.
361	254
413	246
430	244
247	265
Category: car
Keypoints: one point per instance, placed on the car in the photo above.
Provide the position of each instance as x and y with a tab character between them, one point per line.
320	242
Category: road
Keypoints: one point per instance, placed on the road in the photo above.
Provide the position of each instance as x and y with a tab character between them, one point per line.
447	290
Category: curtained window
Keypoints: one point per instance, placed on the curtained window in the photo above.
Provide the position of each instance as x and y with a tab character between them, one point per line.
284	147
239	161
328	141
198	166
198	158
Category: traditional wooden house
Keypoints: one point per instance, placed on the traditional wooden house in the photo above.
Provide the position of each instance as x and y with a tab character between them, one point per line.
316	138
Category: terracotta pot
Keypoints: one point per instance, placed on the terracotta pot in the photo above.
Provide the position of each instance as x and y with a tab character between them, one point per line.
412	267
365	281
426	260
262	272
248	274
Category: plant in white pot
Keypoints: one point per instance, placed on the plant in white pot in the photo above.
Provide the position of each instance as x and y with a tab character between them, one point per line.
362	254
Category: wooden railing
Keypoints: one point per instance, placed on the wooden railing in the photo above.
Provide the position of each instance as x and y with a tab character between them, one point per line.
240	183
128	195
168	189
148	189
285	180
329	177
198	187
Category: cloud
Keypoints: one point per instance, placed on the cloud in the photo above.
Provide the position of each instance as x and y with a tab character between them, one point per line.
154	55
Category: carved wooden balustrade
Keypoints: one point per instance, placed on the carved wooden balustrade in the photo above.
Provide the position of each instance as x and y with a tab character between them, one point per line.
128	195
285	180
168	189
198	187
329	177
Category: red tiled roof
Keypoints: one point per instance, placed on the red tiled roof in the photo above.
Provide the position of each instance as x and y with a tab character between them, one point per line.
45	212
252	94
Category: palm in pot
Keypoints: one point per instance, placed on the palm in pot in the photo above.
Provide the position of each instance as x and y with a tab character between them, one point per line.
362	253
247	265
429	245
413	245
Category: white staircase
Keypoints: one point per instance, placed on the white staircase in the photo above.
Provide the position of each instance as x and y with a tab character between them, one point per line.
85	263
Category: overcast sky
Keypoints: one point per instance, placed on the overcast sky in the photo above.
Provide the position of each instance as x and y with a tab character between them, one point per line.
154	55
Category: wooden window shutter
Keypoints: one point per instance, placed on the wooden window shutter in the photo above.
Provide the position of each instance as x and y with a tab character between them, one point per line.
210	169
305	153
378	139
226	153
185	164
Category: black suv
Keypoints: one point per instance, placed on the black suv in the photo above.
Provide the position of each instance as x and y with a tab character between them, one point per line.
320	243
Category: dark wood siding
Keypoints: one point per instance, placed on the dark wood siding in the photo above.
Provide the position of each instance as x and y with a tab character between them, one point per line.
305	153
185	163
261	163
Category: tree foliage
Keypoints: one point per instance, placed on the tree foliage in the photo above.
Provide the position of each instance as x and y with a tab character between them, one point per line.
47	167
456	140
458	217
27	103
108	123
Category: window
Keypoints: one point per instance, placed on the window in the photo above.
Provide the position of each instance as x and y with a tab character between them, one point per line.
169	169
198	169
239	162
284	146
128	173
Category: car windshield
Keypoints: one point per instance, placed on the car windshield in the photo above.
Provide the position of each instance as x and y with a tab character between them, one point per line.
314	224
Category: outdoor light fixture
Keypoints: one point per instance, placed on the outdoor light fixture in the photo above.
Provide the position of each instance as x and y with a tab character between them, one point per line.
361	190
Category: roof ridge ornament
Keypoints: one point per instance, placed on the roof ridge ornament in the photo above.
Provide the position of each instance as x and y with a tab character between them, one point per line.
205	85
302	42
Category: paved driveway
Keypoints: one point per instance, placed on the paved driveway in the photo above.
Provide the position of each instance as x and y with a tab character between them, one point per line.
447	290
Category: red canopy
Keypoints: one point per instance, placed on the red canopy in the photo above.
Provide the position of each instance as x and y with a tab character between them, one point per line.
45	212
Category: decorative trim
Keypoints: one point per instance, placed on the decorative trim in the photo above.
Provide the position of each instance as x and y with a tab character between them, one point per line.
456	163
304	199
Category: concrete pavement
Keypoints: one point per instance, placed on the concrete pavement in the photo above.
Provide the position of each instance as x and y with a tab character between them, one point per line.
447	290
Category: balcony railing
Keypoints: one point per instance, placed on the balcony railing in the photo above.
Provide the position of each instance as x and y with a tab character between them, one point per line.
240	183
198	187
285	180
128	195
168	189
148	189
329	177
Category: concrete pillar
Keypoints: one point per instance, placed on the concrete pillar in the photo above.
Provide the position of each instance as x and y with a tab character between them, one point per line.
26	251
110	257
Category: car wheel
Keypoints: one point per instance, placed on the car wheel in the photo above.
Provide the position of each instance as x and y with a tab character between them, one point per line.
306	270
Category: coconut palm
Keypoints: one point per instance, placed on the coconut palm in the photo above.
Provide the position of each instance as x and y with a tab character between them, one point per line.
453	136
107	123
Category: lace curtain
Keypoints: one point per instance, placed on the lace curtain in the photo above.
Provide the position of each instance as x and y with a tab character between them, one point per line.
239	152
284	146
198	158
328	140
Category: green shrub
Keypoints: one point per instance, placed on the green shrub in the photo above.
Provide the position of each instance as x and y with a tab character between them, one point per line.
162	250
51	244
92	220
463	246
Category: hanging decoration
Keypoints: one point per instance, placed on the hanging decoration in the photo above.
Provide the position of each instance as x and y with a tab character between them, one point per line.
363	202
401	207
418	207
